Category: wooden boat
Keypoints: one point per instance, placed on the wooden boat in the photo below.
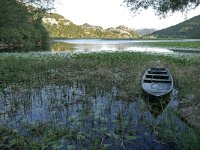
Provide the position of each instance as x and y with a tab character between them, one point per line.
157	81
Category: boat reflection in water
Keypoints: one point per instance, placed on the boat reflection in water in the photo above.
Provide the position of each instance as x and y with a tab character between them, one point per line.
157	84
156	105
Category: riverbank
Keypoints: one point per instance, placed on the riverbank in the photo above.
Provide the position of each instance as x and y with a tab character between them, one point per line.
8	46
94	72
29	46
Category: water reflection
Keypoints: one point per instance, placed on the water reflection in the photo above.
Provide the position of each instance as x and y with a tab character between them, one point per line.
98	45
157	105
60	46
29	48
102	113
105	45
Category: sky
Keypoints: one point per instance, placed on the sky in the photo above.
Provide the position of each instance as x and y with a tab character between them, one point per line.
112	13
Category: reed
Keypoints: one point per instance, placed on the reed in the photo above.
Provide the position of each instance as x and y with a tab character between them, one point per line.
90	76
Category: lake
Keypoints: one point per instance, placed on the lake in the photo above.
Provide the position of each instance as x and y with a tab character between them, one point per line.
181	46
94	101
109	45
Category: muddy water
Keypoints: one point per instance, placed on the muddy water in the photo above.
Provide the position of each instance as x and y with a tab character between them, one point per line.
126	124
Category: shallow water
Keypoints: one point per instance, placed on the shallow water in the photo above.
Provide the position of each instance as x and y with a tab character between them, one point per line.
72	106
71	46
102	45
98	45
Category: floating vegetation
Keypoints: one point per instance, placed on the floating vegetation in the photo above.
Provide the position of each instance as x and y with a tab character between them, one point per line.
92	101
79	120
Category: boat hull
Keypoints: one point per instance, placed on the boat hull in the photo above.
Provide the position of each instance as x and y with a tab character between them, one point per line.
157	82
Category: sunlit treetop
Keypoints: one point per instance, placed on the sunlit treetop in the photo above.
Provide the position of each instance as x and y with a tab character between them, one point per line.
162	7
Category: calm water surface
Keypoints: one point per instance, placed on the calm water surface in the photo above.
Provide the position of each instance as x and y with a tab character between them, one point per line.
101	45
106	45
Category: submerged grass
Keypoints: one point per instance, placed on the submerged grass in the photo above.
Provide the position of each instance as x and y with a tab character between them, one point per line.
101	71
185	138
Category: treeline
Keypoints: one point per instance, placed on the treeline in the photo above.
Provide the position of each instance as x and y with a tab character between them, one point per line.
20	25
60	27
187	29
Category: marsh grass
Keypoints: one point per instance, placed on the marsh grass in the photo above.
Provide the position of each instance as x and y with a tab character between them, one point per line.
191	139
179	45
105	69
185	138
93	72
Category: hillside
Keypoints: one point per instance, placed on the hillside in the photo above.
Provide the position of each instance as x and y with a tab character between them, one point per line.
58	26
187	29
145	31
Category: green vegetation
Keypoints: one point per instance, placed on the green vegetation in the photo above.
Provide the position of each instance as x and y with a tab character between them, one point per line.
20	25
28	68
174	44
168	131
27	72
161	7
187	29
90	100
60	27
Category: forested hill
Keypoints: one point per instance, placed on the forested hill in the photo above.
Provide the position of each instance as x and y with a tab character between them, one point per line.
187	29
60	27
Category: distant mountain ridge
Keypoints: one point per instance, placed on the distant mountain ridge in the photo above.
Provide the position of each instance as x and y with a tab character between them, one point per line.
187	29
145	31
60	27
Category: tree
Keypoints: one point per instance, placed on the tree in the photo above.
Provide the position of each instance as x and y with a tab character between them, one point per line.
20	24
162	7
42	4
11	10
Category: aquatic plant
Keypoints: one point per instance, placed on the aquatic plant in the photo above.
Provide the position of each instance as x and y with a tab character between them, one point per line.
87	100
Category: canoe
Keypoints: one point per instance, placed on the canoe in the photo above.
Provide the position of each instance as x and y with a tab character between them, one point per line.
157	81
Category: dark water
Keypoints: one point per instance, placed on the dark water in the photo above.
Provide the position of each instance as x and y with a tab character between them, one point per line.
30	48
102	113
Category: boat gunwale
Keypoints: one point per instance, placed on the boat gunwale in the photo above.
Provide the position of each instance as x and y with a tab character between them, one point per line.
169	81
